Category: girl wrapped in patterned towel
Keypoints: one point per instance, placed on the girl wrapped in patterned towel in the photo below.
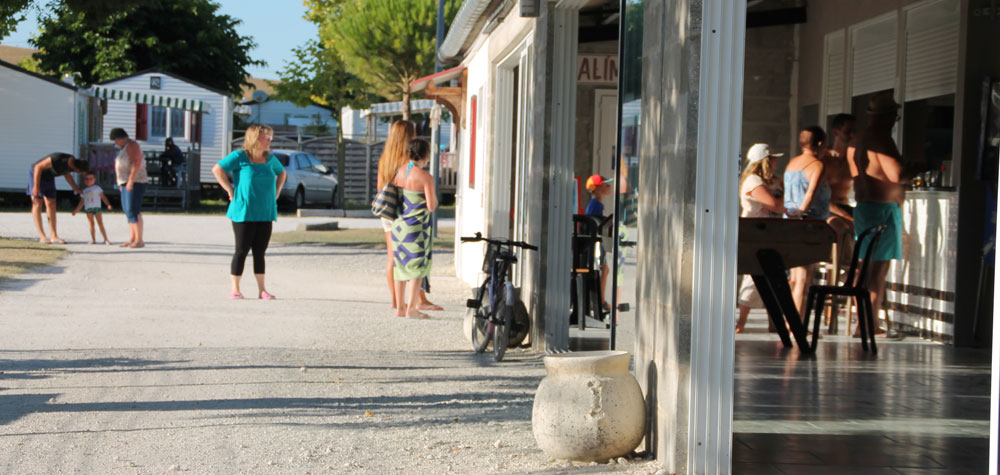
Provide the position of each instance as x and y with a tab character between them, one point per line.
411	231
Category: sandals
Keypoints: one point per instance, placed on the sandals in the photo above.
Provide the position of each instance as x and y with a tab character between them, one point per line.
266	296
432	308
235	296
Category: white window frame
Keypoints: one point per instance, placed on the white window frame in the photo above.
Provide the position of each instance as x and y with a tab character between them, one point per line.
168	124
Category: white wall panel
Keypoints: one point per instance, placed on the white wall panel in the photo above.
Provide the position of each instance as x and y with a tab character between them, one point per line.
37	118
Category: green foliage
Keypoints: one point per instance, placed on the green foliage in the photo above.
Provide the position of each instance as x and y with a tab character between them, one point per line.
185	37
317	75
32	64
386	43
13	11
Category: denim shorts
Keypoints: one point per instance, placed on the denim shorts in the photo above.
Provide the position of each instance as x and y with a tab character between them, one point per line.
46	187
132	201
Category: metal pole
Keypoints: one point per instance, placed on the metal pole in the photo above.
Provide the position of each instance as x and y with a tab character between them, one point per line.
436	124
435	162
615	165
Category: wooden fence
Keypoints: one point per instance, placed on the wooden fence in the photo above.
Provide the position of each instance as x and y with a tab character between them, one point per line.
361	164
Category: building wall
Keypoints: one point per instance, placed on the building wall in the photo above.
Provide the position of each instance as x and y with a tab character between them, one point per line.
767	88
824	17
216	131
36	118
470	201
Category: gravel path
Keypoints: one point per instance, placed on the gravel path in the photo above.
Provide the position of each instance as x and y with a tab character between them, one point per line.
134	361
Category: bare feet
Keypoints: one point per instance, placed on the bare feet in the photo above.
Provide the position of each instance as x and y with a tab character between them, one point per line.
125	244
431	307
419	315
93	242
43	240
56	240
107	242
137	245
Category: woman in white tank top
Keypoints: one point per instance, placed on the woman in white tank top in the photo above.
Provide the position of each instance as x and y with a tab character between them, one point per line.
130	174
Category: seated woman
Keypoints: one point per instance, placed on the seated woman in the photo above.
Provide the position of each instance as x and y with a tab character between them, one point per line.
411	231
757	188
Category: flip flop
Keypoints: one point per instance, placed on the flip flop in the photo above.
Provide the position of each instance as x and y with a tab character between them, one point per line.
432	308
419	316
266	296
57	241
137	246
235	296
125	244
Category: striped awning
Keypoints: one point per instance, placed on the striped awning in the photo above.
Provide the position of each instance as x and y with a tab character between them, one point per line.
172	102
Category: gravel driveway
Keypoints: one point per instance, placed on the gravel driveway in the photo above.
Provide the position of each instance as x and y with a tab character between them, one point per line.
134	361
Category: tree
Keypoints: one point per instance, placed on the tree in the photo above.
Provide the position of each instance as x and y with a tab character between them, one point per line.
185	37
386	43
13	12
316	75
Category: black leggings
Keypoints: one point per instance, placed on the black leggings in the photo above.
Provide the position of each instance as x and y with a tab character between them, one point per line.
250	235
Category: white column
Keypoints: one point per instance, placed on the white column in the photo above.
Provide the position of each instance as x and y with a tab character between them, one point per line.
720	104
566	26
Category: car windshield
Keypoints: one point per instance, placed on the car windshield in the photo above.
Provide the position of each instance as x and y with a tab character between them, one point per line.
319	167
282	158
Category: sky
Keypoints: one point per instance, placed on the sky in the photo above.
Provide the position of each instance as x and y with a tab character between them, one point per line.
276	26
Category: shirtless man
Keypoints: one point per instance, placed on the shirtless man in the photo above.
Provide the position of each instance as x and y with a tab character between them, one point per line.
838	174
879	179
42	189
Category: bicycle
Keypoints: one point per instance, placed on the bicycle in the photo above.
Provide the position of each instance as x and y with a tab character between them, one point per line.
494	302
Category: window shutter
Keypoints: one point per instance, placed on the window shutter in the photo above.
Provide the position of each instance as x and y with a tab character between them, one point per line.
932	35
873	57
833	74
141	119
195	127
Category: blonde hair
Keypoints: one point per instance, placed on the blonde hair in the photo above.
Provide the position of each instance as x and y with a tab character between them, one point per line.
251	142
761	168
395	152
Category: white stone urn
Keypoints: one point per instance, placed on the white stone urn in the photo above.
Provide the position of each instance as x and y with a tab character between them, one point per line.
589	407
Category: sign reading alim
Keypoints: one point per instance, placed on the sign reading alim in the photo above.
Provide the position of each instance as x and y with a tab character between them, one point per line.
597	69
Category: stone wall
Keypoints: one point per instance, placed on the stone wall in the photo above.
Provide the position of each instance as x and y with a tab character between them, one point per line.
670	59
767	88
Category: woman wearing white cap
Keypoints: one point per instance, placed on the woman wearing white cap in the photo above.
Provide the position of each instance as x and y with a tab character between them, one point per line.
757	188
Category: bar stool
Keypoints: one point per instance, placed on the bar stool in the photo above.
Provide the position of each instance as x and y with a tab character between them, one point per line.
851	288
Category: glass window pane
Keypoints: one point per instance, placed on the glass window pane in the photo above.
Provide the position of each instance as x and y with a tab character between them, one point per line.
157	121
177	123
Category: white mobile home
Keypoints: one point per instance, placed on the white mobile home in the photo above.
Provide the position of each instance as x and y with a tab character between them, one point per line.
40	115
262	109
209	130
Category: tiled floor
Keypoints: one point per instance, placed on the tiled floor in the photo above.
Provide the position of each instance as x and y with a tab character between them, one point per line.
917	408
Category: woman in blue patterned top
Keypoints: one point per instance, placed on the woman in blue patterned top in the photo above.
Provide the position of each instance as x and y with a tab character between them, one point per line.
253	207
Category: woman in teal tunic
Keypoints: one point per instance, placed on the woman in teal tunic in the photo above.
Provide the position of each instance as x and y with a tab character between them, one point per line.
257	177
411	231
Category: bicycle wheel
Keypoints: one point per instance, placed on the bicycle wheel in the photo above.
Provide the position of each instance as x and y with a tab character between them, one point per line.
501	331
480	326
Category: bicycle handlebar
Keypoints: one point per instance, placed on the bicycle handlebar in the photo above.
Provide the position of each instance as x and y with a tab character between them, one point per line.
503	242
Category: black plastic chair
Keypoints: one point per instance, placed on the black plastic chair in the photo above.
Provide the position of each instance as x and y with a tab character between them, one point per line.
851	288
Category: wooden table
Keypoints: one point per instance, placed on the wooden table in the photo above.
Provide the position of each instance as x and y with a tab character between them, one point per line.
767	247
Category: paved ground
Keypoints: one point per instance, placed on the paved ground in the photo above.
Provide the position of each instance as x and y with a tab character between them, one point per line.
134	361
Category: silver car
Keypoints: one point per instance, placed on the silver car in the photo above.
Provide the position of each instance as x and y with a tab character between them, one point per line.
309	181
